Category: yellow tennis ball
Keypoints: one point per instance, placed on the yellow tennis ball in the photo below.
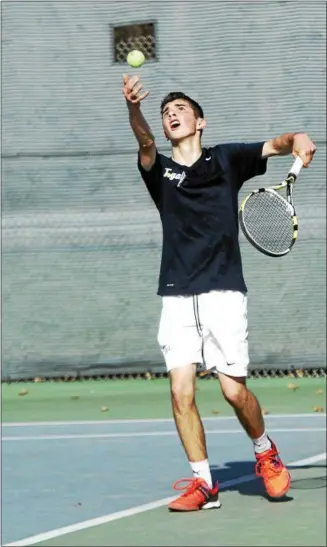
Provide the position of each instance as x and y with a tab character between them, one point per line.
135	58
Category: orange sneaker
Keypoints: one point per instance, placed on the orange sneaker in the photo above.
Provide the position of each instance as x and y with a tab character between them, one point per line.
271	469
198	495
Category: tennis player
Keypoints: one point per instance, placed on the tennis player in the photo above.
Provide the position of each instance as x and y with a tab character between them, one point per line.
204	296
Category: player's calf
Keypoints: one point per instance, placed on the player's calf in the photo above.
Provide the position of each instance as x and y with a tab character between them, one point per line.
269	466
245	405
187	419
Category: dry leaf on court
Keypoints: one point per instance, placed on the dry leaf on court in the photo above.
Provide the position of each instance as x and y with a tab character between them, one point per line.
264	411
319	391
104	409
38	379
318	409
204	373
293	387
23	392
215	411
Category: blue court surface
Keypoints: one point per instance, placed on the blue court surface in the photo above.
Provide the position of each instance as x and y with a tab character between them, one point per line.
59	475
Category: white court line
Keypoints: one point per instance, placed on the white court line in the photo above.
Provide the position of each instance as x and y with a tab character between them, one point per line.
150	434
150	420
32	540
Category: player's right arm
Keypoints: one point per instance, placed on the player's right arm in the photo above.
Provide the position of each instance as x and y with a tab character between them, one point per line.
147	148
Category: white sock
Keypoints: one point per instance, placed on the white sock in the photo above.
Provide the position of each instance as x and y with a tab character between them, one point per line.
202	470
262	444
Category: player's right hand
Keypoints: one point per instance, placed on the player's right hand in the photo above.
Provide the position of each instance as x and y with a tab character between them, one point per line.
131	89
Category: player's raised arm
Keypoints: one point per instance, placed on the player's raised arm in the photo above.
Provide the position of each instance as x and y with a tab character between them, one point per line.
132	92
298	144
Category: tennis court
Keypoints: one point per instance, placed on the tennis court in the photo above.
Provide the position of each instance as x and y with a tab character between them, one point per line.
89	447
81	466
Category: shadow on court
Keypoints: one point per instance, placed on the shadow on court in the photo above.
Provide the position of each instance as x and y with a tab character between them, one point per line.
256	488
301	523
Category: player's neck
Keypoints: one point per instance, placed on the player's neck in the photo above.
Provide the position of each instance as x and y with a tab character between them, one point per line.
187	151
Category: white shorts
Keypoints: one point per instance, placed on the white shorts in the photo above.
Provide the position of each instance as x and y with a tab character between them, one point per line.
209	329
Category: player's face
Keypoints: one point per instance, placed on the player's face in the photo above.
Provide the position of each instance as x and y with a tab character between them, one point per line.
179	120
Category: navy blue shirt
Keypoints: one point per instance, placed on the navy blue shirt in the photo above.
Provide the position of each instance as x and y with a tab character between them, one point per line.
198	207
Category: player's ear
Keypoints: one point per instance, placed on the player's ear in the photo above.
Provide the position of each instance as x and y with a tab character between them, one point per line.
201	124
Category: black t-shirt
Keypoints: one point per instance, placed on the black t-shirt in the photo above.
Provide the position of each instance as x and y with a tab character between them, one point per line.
198	206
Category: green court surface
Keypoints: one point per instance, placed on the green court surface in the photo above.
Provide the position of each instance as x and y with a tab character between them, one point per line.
240	521
131	399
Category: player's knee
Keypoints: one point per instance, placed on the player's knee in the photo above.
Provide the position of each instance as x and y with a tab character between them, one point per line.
182	396
235	394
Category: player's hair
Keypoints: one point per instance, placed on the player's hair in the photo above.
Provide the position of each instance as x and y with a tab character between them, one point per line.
175	95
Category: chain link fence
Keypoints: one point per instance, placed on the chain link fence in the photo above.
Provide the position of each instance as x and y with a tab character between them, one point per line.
81	239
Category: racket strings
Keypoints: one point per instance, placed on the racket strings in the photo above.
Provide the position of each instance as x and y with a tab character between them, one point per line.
267	220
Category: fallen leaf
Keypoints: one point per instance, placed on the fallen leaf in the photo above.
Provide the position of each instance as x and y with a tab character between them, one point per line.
293	387
265	411
318	409
104	409
215	411
23	392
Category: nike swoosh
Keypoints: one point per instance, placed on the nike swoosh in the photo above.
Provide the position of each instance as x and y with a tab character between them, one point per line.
208	159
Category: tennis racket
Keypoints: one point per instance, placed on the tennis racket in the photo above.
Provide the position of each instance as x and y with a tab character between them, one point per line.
268	220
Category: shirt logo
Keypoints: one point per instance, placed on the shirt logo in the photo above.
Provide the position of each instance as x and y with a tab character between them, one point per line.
174	176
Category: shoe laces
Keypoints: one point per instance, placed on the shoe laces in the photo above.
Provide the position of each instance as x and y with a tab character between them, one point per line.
189	485
269	465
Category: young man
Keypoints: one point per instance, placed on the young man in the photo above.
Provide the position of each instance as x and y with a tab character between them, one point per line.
204	303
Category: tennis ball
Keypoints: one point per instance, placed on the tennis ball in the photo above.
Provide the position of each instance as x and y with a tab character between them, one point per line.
135	58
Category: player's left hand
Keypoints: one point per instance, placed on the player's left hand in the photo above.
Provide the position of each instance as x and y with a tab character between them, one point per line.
304	148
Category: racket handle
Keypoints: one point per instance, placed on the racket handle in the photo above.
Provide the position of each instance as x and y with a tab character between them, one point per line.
296	167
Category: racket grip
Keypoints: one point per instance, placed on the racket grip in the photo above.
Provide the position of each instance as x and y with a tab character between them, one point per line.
296	167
